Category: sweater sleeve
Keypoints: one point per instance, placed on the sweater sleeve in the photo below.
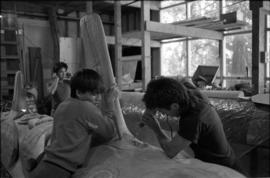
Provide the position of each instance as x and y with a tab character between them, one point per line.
189	128
100	124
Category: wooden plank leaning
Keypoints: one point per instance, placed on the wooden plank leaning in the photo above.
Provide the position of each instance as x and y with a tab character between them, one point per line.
97	58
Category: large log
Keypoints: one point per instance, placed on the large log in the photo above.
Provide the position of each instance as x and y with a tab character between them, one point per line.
97	58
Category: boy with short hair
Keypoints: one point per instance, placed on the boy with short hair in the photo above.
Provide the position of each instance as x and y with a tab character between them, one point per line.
78	124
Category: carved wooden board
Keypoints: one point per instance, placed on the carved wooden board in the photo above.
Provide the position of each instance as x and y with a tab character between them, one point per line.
97	58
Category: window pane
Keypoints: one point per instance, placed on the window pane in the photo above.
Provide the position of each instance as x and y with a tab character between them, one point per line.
173	59
204	9
173	14
238	55
166	3
241	7
203	52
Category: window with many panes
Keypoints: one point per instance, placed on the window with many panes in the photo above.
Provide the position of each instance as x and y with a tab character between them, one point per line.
238	42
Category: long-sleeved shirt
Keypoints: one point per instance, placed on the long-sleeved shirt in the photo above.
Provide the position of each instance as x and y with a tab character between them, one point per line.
76	124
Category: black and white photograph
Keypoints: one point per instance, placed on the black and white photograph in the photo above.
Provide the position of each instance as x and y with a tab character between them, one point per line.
135	89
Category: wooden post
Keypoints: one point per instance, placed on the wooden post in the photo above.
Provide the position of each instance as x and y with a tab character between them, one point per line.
118	43
66	28
89	7
36	69
188	51
156	52
78	24
55	33
146	48
222	57
258	46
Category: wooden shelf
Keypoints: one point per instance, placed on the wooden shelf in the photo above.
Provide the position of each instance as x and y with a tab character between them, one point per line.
9	28
162	31
7	87
8	43
211	29
12	71
10	57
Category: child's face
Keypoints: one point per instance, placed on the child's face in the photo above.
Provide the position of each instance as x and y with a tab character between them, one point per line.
61	73
93	98
30	103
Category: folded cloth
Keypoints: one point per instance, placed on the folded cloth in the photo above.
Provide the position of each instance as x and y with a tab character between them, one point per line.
33	142
37	121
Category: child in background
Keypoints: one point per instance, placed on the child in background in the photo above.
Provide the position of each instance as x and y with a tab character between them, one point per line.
58	87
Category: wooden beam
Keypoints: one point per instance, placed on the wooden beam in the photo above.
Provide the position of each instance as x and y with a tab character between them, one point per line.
66	28
131	42
78	24
89	7
55	33
146	41
258	46
154	5
118	44
45	16
222	48
182	30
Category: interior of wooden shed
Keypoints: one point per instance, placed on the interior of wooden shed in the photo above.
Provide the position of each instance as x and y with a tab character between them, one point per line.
146	40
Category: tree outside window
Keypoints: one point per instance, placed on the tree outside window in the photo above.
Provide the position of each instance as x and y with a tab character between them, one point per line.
238	55
173	14
204	8
203	52
173	57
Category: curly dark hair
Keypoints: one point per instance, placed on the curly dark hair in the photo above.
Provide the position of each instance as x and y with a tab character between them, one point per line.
164	91
59	65
86	80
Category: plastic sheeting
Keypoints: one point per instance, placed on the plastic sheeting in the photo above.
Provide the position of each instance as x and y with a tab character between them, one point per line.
243	121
